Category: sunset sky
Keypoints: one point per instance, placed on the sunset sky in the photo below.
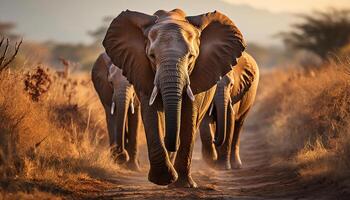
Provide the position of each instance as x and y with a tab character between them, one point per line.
70	20
294	6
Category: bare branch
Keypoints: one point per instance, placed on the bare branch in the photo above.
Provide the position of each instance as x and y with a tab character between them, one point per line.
5	62
3	57
15	54
2	40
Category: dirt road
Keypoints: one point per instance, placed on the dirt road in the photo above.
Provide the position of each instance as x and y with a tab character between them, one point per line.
260	178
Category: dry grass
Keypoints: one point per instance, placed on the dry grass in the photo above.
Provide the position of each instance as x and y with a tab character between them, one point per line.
307	115
52	134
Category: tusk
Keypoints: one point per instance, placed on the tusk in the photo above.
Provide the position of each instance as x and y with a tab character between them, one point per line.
112	108
211	109
132	107
190	93
231	105
155	89
188	89
153	95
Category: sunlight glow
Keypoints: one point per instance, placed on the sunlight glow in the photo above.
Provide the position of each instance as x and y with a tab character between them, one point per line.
293	6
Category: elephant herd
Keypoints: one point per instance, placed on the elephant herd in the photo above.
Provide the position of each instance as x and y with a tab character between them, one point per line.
172	76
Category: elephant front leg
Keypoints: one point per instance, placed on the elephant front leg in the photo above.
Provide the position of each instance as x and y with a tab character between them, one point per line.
224	152
184	154
134	127
119	157
236	159
206	131
161	170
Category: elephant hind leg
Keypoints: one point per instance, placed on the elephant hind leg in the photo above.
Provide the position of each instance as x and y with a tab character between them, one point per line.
235	158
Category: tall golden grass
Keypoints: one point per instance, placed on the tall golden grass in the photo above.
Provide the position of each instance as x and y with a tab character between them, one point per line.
306	113
52	131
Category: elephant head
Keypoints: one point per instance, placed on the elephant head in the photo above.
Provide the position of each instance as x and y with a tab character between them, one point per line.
231	89
168	53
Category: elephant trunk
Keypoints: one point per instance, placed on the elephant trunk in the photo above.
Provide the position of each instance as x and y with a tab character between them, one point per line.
171	81
221	104
123	98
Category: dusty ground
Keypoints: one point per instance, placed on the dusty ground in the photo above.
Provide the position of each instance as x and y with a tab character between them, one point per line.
261	178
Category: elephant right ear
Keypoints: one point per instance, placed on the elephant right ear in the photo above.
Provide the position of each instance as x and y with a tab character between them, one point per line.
221	43
245	73
125	44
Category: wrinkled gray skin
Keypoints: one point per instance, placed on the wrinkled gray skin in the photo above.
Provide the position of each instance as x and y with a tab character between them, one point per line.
122	108
234	96
174	54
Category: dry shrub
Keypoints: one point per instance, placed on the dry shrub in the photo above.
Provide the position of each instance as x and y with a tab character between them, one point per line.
307	115
37	83
52	138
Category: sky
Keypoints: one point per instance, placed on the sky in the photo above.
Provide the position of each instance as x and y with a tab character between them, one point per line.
70	20
293	6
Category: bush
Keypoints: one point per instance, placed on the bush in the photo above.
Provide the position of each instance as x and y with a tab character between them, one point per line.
307	115
49	132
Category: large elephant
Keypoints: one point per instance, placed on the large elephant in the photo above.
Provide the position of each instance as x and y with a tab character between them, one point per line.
234	96
165	55
122	109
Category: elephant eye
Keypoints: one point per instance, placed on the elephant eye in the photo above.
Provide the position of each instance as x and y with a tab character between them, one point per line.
152	56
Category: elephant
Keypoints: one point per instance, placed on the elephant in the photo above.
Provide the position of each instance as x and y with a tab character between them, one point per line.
234	97
122	109
174	62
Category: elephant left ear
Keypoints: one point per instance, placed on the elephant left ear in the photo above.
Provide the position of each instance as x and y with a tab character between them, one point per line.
221	43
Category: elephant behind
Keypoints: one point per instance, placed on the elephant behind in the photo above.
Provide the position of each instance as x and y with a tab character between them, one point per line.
122	109
234	96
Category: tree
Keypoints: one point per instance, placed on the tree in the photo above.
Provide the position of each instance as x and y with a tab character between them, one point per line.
321	33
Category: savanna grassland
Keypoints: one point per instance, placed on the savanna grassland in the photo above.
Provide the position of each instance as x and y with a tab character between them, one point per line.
305	113
52	135
53	141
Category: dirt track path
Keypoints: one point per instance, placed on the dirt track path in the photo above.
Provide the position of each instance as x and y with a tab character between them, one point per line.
259	179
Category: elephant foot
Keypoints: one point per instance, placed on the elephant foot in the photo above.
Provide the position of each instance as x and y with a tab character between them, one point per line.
209	155
184	182
121	158
133	165
210	158
163	175
223	165
237	163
